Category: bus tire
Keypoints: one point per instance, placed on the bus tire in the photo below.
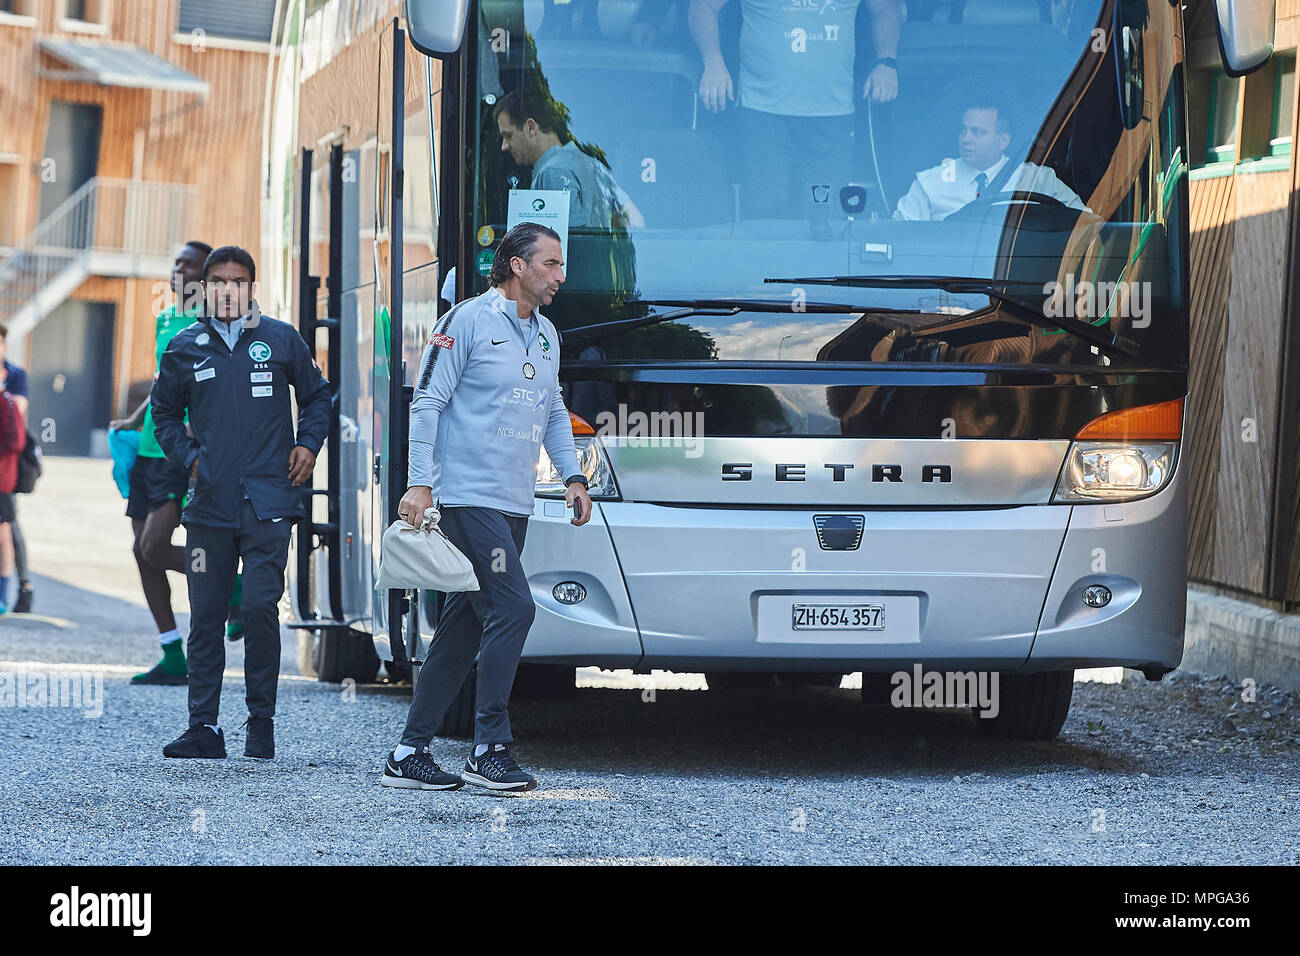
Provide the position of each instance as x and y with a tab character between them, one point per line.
877	688
740	680
545	682
1030	706
307	654
458	722
340	655
810	679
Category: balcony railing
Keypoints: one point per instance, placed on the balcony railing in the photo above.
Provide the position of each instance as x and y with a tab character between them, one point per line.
126	226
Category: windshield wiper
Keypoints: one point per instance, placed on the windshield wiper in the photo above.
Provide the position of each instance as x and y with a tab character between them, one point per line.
688	307
993	288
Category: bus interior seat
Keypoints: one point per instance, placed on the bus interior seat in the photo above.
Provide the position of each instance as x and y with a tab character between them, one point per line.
690	185
606	85
1004	12
946	62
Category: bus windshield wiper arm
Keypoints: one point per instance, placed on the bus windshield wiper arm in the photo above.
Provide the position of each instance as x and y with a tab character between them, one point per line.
688	307
993	288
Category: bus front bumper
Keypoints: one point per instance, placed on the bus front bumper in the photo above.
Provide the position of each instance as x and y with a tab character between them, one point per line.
700	588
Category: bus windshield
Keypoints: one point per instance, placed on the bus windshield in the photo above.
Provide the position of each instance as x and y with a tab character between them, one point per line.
722	172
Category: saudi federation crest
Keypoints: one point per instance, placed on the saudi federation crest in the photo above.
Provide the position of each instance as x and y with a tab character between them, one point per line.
259	351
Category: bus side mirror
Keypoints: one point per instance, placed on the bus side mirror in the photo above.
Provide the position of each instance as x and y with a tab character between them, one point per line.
1245	34
437	26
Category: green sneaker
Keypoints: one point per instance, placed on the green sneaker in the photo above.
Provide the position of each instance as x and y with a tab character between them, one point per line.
235	616
171	670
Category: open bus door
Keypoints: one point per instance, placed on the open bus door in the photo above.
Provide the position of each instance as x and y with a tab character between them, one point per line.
331	645
379	304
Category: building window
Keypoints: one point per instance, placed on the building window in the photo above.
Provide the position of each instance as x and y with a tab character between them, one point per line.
83	16
18	11
1279	143
1221	128
231	19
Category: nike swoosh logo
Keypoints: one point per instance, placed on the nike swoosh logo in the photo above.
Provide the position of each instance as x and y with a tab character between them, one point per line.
204	362
502	342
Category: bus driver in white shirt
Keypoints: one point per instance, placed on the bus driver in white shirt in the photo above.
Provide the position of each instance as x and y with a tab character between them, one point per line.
985	133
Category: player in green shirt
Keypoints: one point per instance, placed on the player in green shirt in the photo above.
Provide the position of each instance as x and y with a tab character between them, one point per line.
158	486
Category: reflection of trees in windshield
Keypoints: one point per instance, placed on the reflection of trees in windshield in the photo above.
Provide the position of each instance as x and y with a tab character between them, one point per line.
667	341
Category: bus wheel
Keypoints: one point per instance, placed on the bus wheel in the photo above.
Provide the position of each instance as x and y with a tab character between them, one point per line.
307	654
807	679
544	682
740	680
459	719
340	655
1030	706
877	688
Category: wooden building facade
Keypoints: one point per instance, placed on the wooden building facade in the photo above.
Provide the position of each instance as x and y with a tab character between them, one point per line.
1242	428
127	127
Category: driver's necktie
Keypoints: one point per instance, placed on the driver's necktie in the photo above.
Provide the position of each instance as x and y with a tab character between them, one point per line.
981	180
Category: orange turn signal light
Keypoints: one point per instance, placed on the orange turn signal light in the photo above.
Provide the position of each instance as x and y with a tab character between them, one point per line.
580	425
1159	422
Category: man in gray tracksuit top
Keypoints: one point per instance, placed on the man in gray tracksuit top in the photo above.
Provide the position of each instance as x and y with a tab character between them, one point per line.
232	370
487	399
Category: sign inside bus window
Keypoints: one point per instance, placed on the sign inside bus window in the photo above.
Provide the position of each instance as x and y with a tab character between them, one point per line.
547	207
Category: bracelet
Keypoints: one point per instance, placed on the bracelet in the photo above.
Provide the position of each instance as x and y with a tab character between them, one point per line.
888	61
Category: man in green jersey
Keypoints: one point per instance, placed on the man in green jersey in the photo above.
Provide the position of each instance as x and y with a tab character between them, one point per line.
158	486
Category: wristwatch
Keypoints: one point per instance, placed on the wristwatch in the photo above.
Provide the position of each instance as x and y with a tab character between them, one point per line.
888	61
581	478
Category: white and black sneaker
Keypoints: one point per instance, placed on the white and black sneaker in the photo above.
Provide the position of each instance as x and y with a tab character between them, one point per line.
497	770
418	771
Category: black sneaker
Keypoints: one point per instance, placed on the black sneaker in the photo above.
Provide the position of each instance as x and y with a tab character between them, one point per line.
497	770
260	740
198	741
24	602
418	771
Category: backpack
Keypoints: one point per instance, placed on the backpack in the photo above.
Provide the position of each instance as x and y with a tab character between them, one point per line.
29	465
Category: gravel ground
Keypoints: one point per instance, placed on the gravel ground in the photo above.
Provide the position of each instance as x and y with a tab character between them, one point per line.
1184	771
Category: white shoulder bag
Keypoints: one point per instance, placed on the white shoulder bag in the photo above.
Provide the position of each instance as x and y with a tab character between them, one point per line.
411	557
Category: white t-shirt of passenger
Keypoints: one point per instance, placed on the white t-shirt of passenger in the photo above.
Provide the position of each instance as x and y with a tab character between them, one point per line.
796	56
941	190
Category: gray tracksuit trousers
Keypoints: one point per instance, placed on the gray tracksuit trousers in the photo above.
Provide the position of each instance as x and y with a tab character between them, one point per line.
491	622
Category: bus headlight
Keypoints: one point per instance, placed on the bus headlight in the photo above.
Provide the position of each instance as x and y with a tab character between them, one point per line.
1115	471
594	464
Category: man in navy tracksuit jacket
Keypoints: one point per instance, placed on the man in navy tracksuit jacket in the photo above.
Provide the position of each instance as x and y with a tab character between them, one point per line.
232	370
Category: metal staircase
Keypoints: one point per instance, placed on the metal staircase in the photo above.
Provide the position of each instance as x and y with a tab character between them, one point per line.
108	227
